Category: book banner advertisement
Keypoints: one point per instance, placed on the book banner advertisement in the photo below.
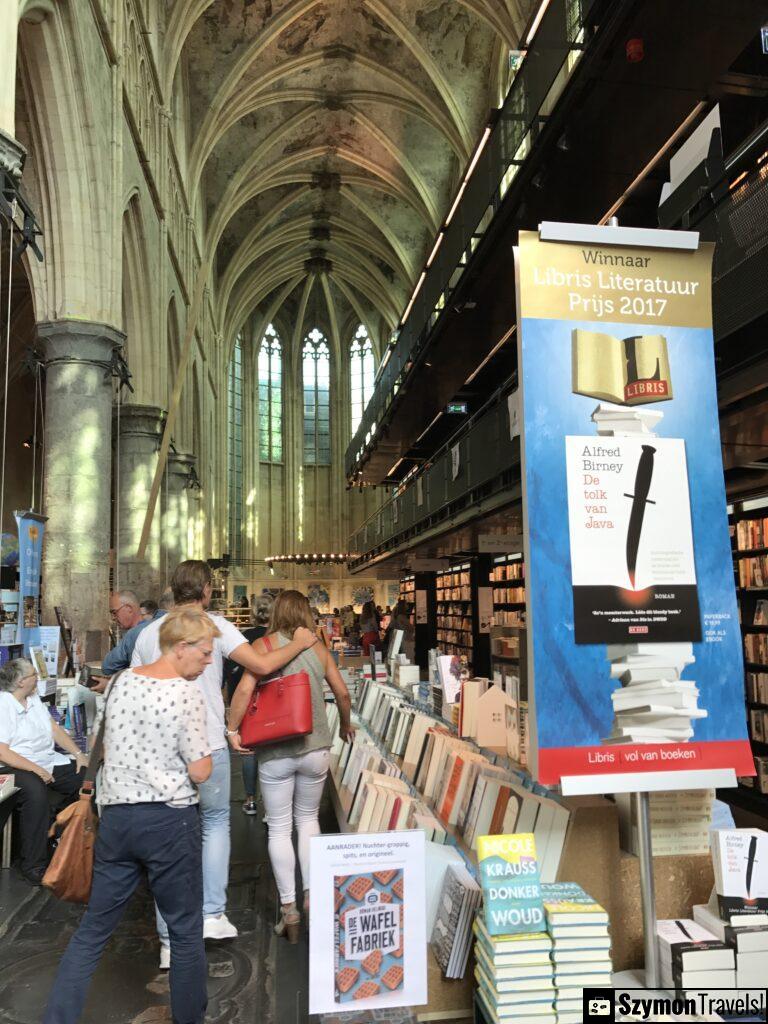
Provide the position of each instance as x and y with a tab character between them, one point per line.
31	527
367	929
634	636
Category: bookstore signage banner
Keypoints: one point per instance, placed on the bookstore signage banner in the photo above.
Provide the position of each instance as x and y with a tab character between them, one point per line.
634	634
31	528
367	929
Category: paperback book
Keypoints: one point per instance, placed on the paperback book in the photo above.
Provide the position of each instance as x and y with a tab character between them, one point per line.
369	934
509	875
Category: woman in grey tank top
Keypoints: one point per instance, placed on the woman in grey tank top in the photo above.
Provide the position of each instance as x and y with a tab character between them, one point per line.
292	773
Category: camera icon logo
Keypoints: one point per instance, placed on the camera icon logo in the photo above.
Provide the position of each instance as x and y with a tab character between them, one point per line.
598	1005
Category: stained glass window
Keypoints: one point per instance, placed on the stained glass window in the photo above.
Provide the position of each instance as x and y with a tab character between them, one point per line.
235	451
361	372
271	397
316	379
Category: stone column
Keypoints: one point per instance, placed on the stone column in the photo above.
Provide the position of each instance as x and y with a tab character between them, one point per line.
12	153
176	517
141	429
77	474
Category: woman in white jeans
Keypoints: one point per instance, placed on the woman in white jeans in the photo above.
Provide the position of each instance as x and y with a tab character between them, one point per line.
292	773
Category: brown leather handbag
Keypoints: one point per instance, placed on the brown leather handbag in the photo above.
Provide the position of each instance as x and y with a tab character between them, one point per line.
70	873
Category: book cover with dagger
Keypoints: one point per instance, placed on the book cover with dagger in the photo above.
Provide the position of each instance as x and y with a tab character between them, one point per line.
632	557
740	860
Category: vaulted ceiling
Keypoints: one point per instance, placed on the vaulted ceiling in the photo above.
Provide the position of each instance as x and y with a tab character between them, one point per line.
328	140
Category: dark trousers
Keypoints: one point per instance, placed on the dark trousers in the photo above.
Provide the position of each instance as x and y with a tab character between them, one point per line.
166	841
35	810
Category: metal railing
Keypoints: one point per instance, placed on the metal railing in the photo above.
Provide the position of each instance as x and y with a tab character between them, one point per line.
554	52
476	457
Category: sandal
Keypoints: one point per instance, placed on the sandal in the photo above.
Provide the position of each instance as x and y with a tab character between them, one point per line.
289	923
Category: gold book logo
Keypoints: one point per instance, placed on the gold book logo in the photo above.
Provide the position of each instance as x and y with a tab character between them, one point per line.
627	371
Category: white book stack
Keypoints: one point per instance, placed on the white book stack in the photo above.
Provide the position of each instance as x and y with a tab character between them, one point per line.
612	420
581	946
654	704
692	958
749	943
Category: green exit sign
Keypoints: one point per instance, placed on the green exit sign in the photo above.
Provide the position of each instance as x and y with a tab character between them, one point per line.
457	407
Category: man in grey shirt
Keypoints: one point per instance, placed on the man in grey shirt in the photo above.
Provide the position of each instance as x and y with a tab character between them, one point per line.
124	607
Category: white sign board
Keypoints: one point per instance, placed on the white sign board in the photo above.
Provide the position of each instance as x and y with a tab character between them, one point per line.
367	927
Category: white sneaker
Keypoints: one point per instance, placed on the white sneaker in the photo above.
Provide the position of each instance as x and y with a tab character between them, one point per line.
165	957
218	926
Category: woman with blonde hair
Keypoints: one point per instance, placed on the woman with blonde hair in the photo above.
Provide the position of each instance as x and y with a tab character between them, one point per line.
292	773
156	751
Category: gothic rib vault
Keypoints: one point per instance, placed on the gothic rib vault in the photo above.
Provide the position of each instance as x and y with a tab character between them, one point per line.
329	138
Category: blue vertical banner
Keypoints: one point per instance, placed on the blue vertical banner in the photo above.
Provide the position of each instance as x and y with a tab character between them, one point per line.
634	638
31	527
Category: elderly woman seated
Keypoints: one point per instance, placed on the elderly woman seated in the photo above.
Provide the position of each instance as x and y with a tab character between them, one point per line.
27	738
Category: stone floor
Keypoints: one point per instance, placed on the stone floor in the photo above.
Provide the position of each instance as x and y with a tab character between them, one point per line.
256	978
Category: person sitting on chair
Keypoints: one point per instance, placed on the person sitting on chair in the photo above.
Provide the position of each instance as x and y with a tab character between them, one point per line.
27	737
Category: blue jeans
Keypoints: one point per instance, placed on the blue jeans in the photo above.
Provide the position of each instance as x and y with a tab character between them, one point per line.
250	769
166	841
214	825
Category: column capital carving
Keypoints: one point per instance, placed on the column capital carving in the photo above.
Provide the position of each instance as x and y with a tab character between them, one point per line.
140	420
12	155
78	340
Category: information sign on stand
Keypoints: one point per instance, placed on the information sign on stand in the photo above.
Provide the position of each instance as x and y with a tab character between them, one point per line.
367	929
633	625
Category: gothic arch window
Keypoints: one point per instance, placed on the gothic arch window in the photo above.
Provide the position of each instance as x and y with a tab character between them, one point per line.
235	451
361	374
316	380
271	397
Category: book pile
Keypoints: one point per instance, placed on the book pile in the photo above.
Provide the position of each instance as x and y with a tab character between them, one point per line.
654	704
514	976
680	822
581	946
748	942
758	724
618	419
452	933
692	958
452	786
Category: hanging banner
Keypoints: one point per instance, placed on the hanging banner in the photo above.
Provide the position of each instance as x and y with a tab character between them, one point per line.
634	636
31	527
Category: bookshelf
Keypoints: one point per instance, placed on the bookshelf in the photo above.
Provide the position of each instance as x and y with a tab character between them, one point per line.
507	578
463	612
749	532
418	590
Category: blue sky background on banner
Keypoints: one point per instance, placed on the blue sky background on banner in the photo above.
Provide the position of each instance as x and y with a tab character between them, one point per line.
573	682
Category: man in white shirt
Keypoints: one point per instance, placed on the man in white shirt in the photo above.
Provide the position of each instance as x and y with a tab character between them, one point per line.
191	585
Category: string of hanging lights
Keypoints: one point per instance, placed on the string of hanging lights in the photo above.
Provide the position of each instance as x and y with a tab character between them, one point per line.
307	559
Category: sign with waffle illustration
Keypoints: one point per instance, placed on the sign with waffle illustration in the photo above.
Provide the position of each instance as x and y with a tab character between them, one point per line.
367	921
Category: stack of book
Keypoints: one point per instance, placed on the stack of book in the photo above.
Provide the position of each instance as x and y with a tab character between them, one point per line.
749	944
452	934
514	976
680	822
692	958
618	419
581	946
654	704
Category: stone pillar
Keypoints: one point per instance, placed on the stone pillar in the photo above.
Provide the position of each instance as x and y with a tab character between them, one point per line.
176	517
12	153
141	429
77	474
